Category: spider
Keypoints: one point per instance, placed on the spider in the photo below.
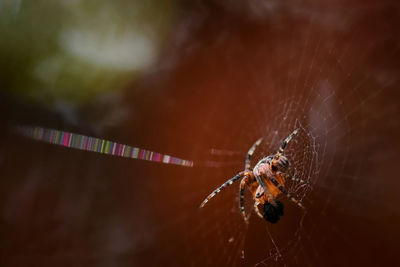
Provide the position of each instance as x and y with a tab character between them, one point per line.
266	182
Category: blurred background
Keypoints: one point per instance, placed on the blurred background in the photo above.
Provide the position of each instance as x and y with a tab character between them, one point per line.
200	80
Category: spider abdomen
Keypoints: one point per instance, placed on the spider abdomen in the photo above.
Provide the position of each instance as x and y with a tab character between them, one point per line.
273	213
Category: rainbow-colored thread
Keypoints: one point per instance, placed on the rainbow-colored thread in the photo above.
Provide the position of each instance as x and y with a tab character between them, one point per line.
87	143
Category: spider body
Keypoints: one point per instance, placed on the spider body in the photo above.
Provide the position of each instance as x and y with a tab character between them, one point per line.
266	182
264	169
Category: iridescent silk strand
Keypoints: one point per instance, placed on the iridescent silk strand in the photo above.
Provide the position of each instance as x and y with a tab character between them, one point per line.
87	143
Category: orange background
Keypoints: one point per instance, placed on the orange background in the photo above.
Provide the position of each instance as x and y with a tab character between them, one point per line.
237	76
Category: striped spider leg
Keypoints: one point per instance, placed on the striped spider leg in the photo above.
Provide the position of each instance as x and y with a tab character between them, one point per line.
280	162
250	154
282	148
295	179
241	175
283	189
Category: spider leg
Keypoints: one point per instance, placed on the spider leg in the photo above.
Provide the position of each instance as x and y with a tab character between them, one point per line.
250	153
266	191
284	191
247	180
243	183
226	184
293	178
283	146
257	210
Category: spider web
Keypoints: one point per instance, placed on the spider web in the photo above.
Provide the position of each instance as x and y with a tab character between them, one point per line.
322	70
330	69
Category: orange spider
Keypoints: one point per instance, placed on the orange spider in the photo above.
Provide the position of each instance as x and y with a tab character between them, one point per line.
265	182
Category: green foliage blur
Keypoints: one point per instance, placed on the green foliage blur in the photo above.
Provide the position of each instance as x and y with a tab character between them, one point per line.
74	50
